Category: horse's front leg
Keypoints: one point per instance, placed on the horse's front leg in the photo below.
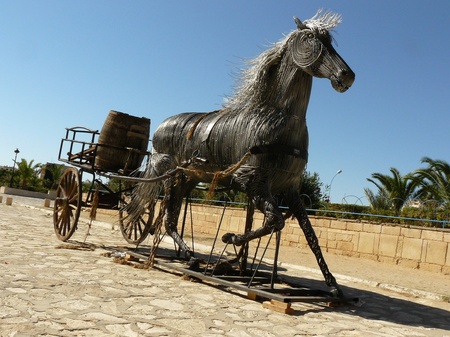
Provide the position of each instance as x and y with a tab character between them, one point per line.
274	221
298	210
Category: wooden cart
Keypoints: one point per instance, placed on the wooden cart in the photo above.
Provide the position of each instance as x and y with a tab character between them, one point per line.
84	151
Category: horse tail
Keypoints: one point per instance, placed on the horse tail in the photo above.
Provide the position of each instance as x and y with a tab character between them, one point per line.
144	195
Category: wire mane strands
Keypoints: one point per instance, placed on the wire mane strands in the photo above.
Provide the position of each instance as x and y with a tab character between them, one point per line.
327	21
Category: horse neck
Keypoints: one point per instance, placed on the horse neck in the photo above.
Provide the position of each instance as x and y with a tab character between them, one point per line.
282	86
289	89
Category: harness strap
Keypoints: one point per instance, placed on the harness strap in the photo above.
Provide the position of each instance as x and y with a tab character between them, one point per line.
279	149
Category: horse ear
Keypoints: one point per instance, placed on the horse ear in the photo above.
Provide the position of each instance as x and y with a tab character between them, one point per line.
300	25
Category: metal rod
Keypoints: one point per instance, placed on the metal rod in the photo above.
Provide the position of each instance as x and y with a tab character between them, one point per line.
260	260
192	224
275	259
183	223
220	257
217	234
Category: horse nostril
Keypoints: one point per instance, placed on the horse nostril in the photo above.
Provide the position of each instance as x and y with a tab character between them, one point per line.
347	76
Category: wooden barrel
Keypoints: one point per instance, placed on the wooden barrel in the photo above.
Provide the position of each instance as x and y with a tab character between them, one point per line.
120	135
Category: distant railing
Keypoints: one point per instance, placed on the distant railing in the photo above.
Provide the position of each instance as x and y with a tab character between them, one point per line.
401	220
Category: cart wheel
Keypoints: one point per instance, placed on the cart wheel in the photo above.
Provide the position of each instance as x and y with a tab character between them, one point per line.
67	205
134	231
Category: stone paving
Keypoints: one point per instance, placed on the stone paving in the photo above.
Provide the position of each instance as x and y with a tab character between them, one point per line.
47	289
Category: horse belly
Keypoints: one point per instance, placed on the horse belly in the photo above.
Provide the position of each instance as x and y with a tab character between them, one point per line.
280	173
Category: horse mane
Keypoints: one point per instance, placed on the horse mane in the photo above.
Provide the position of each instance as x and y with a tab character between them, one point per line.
250	91
326	21
251	83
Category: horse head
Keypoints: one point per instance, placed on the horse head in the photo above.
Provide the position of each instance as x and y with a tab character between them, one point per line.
312	50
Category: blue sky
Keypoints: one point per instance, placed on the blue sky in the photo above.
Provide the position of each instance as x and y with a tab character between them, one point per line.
67	63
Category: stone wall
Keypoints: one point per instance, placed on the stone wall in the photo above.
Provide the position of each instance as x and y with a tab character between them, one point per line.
24	193
415	247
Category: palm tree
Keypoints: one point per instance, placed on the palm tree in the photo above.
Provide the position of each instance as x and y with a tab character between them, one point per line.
379	200
395	189
434	180
28	173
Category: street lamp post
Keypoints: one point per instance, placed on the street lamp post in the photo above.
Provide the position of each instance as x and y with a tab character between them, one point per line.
16	151
331	183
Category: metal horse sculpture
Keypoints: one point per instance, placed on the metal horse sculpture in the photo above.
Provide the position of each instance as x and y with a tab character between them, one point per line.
258	142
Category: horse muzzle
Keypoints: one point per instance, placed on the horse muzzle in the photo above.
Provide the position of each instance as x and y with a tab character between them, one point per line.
343	80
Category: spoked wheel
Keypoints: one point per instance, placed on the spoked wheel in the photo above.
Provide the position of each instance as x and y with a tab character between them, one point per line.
135	230
66	210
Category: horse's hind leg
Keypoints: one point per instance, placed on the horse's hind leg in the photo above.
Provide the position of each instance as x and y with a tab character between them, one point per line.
176	188
297	208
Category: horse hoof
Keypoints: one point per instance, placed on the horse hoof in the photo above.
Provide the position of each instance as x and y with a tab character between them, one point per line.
193	264
228	238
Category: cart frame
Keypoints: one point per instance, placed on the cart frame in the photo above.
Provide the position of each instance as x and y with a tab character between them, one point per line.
81	146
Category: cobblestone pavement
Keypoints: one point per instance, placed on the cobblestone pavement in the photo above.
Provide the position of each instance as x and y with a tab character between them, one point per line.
46	290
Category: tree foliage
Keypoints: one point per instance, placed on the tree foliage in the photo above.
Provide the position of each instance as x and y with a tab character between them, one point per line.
312	190
395	187
422	194
28	174
434	180
52	176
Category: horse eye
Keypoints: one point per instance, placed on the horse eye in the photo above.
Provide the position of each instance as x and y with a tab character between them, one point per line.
311	36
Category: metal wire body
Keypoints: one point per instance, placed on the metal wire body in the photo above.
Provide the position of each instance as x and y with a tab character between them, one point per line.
258	142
